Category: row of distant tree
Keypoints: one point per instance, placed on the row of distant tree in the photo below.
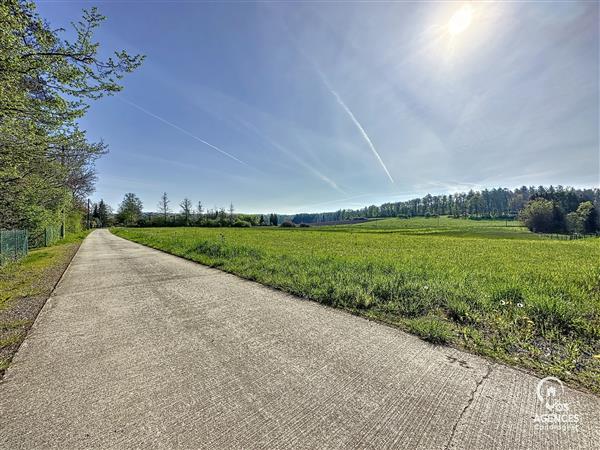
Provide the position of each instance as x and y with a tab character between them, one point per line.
541	209
498	203
130	213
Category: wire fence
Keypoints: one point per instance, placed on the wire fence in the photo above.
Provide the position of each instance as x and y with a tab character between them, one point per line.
46	236
569	237
13	245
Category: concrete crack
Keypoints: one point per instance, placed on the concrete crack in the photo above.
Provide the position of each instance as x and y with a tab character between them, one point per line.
469	402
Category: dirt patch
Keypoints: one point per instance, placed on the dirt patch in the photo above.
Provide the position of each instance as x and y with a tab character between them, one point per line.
18	315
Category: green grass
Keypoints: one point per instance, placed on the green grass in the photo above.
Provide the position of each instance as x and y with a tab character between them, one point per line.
24	278
479	285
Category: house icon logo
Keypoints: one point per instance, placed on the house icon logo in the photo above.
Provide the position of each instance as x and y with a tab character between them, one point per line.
556	413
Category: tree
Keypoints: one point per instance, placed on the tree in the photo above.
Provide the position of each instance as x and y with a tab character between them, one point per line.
130	210
186	210
273	219
221	215
231	210
575	224
163	206
103	213
262	220
46	82
199	211
542	216
587	218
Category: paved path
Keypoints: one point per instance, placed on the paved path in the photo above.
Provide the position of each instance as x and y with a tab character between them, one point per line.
137	348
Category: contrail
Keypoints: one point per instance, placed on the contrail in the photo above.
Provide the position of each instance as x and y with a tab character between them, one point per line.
362	131
338	98
292	155
350	114
229	155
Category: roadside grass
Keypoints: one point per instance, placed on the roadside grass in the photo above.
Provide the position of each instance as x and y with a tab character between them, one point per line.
494	290
24	287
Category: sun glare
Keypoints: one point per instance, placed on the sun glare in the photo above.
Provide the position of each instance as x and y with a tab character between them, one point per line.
461	20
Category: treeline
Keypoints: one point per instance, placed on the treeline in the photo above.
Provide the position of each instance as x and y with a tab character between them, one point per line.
497	203
46	85
130	213
543	210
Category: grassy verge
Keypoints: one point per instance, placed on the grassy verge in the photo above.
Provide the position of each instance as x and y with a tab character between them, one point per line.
24	287
497	291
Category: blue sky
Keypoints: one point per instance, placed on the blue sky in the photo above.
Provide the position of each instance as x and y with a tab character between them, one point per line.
299	107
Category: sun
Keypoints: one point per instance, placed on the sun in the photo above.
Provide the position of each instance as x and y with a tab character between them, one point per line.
460	20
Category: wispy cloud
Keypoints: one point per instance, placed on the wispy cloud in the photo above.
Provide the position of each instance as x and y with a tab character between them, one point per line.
292	155
172	125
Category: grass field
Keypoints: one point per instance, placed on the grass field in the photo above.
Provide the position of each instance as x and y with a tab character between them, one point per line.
492	289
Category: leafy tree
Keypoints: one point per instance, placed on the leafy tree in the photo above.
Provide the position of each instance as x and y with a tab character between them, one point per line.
542	216
587	216
130	210
575	223
231	210
273	219
163	206
46	82
199	211
262	220
186	210
221	215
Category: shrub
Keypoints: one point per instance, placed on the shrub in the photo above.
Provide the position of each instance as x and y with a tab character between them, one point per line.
543	216
241	224
288	224
304	225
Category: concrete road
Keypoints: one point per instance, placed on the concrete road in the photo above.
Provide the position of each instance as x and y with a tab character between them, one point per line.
137	348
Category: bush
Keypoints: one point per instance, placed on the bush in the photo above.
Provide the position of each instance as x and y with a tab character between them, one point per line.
242	224
288	224
543	216
304	225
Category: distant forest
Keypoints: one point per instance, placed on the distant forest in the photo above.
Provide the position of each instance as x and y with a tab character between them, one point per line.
497	203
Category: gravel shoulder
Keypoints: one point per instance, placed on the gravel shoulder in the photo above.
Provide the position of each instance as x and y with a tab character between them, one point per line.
26	285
